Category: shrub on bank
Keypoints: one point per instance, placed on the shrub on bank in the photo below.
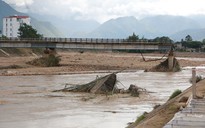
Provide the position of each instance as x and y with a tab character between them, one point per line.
47	61
175	93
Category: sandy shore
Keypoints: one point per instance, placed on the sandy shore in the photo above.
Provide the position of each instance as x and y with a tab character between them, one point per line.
75	62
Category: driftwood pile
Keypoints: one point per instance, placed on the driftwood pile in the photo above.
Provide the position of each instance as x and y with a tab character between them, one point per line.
103	85
164	67
133	90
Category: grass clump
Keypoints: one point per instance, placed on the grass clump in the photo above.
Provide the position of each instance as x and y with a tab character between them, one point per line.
175	93
47	61
140	118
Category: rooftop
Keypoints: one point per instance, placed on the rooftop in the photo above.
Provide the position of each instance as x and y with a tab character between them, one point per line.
20	17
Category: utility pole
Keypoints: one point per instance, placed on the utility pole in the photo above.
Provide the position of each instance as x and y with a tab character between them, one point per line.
194	83
171	59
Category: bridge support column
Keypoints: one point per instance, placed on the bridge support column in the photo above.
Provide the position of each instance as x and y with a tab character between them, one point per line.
171	60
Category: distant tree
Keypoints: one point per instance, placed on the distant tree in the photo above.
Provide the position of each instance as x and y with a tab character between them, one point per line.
163	39
203	41
3	37
192	44
133	38
27	31
188	38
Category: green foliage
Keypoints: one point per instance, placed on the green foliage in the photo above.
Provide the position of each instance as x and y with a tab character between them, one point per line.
3	37
163	39
188	38
140	118
133	38
203	41
27	31
175	93
192	44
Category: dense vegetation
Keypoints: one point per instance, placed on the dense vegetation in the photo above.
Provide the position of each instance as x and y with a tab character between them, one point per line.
189	43
135	38
27	31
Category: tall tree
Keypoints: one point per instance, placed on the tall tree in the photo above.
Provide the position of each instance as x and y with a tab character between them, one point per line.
27	31
133	38
163	39
188	38
203	41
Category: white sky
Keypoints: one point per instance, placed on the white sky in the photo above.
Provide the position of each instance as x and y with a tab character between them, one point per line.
102	10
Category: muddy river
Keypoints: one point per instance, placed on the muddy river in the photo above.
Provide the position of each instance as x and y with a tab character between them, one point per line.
27	101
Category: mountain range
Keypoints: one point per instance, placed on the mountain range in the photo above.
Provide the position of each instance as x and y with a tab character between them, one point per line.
176	27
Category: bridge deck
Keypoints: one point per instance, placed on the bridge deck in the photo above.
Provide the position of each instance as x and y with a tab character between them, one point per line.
83	43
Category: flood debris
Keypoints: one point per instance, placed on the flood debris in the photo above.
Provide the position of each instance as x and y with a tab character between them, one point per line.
164	67
103	85
50	60
133	90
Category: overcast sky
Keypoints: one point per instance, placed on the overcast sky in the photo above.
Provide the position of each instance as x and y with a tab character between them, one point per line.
102	10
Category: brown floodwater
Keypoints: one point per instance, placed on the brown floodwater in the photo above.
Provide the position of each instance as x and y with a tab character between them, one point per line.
27	101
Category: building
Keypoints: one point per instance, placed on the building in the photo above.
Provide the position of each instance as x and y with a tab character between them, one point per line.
11	25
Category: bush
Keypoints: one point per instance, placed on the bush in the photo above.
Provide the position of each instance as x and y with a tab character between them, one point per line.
48	61
52	60
175	93
140	118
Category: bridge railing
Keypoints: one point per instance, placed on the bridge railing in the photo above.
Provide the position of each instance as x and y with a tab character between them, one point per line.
77	40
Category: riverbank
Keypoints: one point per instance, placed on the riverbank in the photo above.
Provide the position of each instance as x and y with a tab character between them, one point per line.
163	114
88	62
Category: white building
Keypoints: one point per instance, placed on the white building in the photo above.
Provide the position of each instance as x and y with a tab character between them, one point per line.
11	25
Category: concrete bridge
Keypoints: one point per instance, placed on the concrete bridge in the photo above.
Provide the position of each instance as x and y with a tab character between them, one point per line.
83	43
